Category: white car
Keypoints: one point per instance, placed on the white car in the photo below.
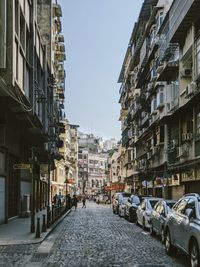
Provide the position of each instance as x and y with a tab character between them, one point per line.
122	206
144	211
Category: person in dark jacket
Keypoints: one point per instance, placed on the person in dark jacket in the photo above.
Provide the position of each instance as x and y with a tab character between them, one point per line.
83	201
75	202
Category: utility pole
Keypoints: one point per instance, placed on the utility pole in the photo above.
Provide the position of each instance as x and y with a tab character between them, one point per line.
33	191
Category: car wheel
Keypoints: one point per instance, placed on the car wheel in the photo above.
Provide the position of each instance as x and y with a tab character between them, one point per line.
162	235
143	224
136	221
194	255
130	216
169	248
152	232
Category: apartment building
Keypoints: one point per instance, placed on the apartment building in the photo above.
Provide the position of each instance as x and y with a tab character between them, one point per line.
159	98
93	164
31	102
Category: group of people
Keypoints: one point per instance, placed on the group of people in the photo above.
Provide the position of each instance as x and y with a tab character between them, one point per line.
70	202
75	202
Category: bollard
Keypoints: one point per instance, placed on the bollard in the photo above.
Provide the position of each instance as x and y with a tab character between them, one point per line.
44	228
37	234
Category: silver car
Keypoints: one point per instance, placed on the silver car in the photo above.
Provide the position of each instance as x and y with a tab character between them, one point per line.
122	205
144	211
182	228
159	215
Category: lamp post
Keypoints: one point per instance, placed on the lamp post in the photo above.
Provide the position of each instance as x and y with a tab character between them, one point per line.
33	191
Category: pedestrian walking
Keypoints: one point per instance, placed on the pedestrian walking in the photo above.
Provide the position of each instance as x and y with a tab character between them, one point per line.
55	198
68	201
83	201
75	201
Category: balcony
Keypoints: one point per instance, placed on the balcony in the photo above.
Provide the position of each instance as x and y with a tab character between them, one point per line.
145	119
57	10
180	18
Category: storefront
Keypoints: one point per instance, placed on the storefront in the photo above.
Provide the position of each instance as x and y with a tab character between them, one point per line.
191	180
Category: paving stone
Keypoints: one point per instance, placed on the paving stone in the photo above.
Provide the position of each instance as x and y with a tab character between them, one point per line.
94	237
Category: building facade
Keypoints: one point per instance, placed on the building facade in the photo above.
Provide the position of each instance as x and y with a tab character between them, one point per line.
159	98
93	165
31	103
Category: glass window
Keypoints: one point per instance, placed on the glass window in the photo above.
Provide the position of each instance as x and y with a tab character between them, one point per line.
198	57
198	122
182	206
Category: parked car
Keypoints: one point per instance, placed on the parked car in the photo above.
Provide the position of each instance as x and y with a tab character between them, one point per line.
122	206
116	198
182	228
144	211
159	215
131	207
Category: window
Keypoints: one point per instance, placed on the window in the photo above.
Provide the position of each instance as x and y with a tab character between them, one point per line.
198	57
181	206
198	122
22	31
174	90
21	71
159	21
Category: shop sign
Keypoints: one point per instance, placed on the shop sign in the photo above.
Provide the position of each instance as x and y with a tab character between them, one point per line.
173	180
198	174
176	179
117	187
188	176
107	188
22	166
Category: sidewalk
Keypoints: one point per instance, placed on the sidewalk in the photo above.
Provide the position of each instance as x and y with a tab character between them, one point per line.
17	231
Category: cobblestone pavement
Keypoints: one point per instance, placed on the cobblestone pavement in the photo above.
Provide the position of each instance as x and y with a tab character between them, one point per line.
95	237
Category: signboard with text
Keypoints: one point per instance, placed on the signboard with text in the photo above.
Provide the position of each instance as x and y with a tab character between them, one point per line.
22	166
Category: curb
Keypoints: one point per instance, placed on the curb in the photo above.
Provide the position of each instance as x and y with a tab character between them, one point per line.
36	241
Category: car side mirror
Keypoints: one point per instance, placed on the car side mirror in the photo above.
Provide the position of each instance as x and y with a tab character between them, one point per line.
189	213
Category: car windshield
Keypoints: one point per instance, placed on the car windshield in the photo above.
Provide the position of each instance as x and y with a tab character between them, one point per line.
152	203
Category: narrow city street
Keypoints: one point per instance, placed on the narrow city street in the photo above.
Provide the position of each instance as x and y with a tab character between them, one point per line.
93	237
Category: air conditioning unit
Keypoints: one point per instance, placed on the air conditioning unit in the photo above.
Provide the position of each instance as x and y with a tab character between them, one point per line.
187	73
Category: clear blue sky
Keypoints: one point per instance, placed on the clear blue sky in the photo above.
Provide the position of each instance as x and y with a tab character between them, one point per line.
97	33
